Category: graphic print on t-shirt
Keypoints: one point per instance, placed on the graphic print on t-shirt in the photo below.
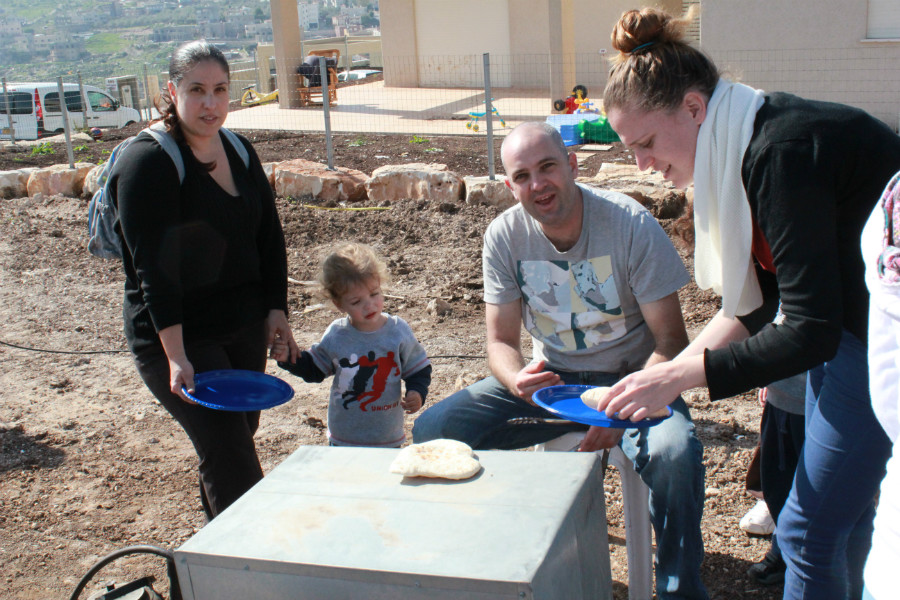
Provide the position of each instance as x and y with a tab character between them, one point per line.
571	305
370	369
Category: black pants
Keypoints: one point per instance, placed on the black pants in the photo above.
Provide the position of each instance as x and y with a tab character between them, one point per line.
781	437
223	440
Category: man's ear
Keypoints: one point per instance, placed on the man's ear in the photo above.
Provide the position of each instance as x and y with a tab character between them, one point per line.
695	103
573	164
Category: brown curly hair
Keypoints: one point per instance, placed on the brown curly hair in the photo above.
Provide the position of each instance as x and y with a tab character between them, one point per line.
347	265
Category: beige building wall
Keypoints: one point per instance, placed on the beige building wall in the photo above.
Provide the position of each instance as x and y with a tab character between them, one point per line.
451	49
815	49
551	44
398	42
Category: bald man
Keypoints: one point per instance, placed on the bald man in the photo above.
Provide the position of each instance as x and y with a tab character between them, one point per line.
594	280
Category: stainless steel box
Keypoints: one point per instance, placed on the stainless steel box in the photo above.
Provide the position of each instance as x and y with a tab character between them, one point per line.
333	523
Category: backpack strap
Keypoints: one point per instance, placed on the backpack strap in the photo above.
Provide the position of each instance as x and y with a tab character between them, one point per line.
168	144
164	138
238	146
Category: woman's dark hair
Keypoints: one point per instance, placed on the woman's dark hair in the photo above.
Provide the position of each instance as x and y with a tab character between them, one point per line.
186	57
655	66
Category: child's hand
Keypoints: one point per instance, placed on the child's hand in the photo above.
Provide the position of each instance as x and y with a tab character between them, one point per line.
280	350
411	402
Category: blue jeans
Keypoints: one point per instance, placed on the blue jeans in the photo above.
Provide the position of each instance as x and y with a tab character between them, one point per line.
668	457
825	528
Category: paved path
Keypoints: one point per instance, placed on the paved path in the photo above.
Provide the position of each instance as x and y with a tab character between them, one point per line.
373	108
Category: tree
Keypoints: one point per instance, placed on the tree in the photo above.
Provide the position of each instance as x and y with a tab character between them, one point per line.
258	15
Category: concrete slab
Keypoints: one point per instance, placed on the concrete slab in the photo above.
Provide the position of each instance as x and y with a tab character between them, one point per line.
373	108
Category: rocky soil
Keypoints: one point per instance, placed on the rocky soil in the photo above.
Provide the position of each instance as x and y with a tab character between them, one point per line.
89	463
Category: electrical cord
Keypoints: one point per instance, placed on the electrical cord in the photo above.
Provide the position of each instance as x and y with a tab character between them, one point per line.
61	351
461	356
174	590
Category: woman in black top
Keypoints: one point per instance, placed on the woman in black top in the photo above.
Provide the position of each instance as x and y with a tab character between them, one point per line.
205	267
782	188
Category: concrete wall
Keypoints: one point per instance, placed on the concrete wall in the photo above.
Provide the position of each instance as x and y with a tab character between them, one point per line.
398	42
813	49
451	49
551	44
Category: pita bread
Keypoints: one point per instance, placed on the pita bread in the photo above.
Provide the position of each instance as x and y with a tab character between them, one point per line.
593	396
446	459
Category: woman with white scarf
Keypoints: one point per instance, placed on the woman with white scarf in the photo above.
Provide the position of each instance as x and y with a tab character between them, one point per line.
782	188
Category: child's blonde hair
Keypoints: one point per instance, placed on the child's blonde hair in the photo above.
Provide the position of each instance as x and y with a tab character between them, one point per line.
348	265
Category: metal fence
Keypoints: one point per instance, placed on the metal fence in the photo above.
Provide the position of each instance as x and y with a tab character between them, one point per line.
446	95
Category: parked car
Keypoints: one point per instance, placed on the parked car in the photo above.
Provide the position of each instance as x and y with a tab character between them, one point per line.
36	112
357	74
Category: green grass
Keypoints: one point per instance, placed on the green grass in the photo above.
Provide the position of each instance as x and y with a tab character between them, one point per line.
30	10
418	140
44	148
106	43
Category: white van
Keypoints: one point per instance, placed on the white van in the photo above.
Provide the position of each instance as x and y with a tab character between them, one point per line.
36	110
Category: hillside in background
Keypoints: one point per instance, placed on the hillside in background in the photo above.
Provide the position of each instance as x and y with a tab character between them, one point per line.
41	40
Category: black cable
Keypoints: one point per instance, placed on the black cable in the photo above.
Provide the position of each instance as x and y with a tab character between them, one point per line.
117	351
174	590
61	351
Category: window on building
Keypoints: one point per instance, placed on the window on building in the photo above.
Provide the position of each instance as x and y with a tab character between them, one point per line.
884	20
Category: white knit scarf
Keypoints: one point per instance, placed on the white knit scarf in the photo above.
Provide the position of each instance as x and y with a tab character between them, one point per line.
723	230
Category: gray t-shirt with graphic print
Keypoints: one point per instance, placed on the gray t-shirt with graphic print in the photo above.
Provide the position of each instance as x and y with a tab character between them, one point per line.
582	306
364	404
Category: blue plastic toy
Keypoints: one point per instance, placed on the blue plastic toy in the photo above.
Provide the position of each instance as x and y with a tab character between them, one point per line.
474	116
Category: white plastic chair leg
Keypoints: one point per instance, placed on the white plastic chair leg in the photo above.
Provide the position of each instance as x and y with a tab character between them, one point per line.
636	506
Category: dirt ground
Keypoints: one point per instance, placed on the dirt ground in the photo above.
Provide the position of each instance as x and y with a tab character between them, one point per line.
90	463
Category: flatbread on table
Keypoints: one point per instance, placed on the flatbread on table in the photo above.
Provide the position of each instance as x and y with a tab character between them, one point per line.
446	459
593	396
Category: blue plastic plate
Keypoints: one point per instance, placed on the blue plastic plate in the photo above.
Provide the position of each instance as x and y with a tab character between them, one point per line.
565	401
239	390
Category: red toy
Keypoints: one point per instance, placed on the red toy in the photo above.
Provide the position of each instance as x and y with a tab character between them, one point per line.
571	104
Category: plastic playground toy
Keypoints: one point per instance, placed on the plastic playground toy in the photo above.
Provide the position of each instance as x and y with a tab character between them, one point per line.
474	116
251	97
586	107
577	102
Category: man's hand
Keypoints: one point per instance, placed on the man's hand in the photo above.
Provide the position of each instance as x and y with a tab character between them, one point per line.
598	438
533	377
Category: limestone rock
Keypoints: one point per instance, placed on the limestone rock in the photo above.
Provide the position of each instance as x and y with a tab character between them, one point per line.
662	202
619	173
438	307
269	170
92	181
13	184
482	190
656	194
414	181
301	177
58	179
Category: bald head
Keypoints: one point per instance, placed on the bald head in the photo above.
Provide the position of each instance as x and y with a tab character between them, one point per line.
528	133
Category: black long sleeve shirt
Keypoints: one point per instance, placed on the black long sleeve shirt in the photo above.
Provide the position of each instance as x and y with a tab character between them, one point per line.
813	171
193	254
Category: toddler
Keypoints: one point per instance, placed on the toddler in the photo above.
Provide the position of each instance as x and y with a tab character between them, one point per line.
368	352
